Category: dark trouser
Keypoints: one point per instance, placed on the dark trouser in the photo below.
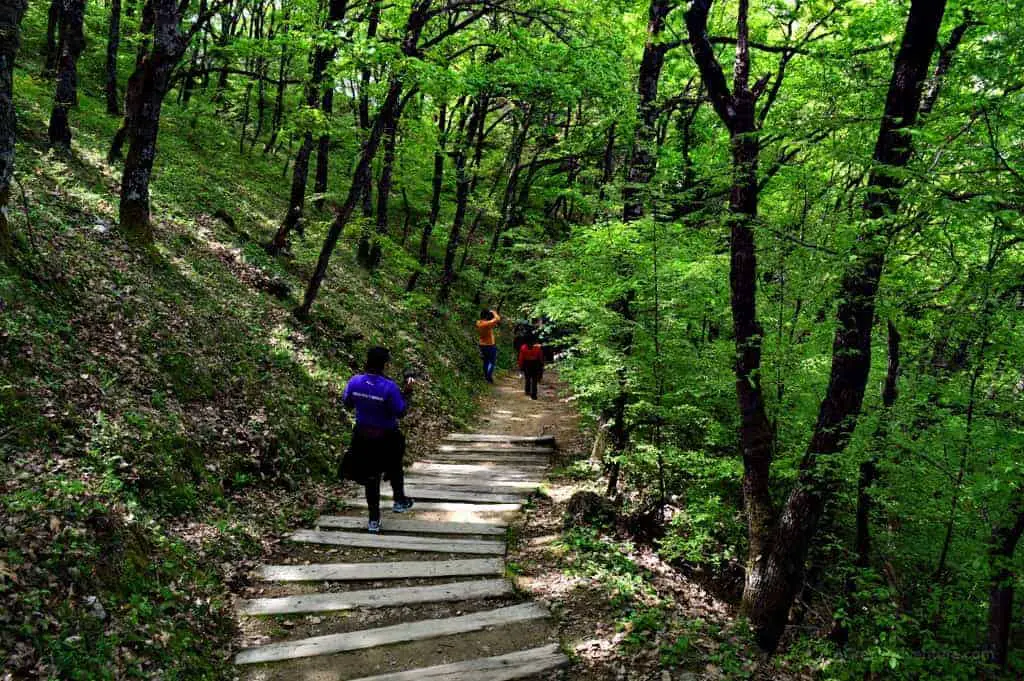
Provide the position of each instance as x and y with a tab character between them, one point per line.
397	478
489	355
379	452
533	371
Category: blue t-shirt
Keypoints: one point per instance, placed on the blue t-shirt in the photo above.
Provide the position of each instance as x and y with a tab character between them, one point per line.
377	400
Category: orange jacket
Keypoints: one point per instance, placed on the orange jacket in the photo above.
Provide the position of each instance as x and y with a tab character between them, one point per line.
485	327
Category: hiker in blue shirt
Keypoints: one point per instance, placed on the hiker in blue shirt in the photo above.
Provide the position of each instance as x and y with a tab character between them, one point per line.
378	445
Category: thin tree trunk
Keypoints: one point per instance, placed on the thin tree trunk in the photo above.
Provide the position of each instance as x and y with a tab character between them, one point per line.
52	27
279	100
508	200
419	15
383	194
435	196
644	159
323	153
608	162
113	46
11	13
245	117
869	469
300	171
363	168
463	185
72	42
366	191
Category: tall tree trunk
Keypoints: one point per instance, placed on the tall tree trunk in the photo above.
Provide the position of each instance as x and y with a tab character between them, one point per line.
515	156
366	191
300	171
1002	546
72	42
644	158
364	167
736	109
435	196
383	194
419	15
52	27
153	80
463	185
11	13
775	575
275	127
608	162
323	153
113	45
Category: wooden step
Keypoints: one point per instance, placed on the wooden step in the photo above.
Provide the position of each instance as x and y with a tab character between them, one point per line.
494	449
446	506
499	486
372	638
454	494
397	542
377	598
357	572
501	668
414	526
486	470
483	457
547	440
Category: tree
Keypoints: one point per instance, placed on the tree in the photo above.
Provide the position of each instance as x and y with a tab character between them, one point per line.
11	12
113	45
147	88
421	13
779	544
322	56
72	42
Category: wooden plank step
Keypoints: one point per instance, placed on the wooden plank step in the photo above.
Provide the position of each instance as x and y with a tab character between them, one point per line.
501	668
489	471
478	484
415	526
446	506
501	459
455	494
397	542
493	449
356	572
548	440
398	633
377	598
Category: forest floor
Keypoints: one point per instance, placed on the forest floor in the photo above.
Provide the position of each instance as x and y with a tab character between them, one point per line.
619	611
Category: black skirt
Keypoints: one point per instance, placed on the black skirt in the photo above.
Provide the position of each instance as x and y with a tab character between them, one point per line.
372	452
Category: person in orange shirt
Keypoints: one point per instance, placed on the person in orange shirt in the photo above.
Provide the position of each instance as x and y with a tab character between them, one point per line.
488	348
531	361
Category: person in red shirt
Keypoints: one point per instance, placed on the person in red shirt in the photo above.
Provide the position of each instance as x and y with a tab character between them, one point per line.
531	361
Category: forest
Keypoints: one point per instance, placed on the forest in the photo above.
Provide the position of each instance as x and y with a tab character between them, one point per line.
781	241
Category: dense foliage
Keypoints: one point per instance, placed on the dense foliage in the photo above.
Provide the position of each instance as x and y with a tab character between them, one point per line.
783	235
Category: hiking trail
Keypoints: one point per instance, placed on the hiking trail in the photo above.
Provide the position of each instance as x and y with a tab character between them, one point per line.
430	597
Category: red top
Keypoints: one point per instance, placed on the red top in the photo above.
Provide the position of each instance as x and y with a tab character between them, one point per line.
530	353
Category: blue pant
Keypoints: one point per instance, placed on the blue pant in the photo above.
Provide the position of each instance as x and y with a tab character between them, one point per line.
489	355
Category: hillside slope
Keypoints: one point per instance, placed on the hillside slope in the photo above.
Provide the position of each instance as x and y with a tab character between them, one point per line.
159	407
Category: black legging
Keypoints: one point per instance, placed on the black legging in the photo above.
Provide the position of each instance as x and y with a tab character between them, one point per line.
533	371
397	478
377	453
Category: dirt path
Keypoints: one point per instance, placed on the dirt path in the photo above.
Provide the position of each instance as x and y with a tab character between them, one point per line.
429	594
